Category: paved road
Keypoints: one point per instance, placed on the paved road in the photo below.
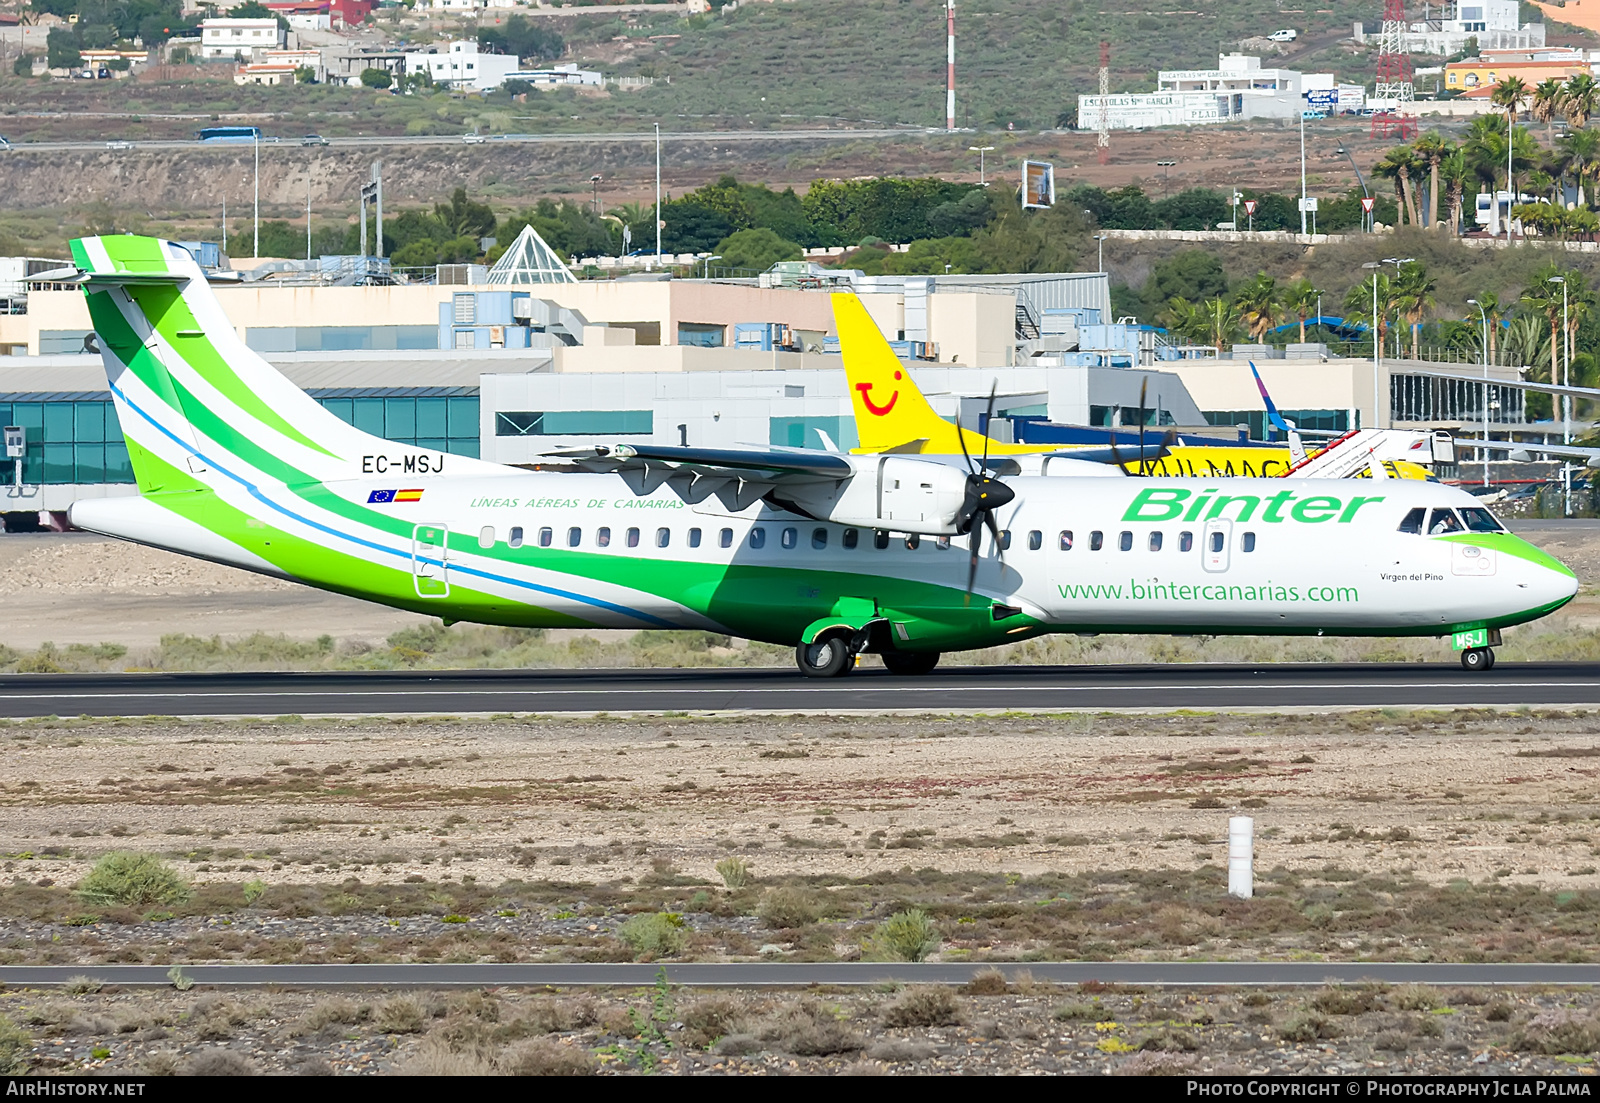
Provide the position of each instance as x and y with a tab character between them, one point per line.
760	974
617	691
601	138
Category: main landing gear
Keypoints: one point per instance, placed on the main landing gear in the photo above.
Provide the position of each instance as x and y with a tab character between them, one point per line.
1478	660
834	655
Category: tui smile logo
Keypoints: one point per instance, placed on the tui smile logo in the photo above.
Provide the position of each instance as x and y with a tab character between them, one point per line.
874	409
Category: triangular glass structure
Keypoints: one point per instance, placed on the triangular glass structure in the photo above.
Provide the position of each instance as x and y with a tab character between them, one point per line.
530	260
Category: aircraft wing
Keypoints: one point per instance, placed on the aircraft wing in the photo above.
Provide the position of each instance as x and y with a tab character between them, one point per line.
1525	452
738	477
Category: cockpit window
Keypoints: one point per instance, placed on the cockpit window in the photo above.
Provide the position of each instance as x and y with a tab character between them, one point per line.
1443	521
1479	519
1413	521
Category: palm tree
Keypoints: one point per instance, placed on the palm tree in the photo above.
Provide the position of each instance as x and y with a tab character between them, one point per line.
1580	99
1258	305
1432	149
1549	100
1397	165
1413	289
1300	299
1527	344
1508	96
1495	315
1580	155
1454	170
1222	321
1544	297
1186	320
1358	304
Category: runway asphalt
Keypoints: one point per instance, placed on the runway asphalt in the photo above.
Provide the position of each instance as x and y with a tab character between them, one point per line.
769	974
1044	689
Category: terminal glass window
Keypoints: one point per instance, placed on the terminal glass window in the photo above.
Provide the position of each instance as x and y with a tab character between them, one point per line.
68	442
701	334
578	423
439	423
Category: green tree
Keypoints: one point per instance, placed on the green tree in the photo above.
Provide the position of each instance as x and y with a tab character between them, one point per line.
1358	305
1193	209
757	249
61	49
1052	240
23	65
1548	100
1186	320
570	229
1397	166
1580	99
1191	274
1579	154
1413	297
890	208
691	227
962	216
1222	320
523	37
376	78
1431	150
461	217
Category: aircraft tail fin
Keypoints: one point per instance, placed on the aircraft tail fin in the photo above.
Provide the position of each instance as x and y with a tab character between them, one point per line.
1297	451
891	412
193	399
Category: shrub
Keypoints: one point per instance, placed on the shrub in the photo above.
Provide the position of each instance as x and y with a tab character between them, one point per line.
707	1020
895	1050
15	1048
1498	1012
1338	1000
253	890
1076	1013
1165	1040
735	873
1156	1063
218	1062
1417	997
785	909
1307	1026
987	982
925	1005
658	934
133	880
326	1013
907	935
399	1015
547	1057
81	986
1559	1030
808	1029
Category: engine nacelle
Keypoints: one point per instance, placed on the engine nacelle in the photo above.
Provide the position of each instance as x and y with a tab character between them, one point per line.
899	493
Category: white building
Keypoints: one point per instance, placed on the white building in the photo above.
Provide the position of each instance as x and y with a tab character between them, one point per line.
561	74
300	59
242	39
463	66
1493	23
1238	88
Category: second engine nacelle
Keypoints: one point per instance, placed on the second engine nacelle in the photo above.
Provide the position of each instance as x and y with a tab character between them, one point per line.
889	492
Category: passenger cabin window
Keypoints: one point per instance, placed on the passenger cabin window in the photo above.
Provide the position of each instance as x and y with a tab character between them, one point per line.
1247	542
694	538
515	539
725	538
942	543
1413	521
819	538
880	539
574	537
633	538
602	538
851	538
546	536
1185	541
1005	539
1125	541
1479	519
486	536
913	542
1035	539
1065	540
1097	540
789	537
758	537
663	537
1217	542
1443	521
1155	541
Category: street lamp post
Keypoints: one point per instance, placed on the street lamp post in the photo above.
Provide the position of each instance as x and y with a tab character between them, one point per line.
1366	218
1566	400
594	183
1101	238
707	268
257	143
1485	357
658	193
980	151
1302	173
1377	337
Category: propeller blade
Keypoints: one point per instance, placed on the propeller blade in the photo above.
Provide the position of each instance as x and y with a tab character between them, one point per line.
987	418
961	435
994	530
972	561
1143	386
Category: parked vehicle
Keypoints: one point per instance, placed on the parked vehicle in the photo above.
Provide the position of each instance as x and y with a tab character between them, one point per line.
1313	114
119	143
1288	34
473	139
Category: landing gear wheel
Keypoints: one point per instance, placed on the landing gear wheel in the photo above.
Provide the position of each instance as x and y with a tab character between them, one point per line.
910	662
1479	660
827	658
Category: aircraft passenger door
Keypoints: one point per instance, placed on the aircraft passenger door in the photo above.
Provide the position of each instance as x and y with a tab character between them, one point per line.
1218	545
430	560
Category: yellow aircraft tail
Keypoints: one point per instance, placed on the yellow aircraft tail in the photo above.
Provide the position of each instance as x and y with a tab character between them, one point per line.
892	415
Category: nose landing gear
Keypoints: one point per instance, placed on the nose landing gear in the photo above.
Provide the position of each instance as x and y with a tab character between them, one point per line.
1478	660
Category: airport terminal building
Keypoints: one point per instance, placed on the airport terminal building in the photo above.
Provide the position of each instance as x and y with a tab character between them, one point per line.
528	362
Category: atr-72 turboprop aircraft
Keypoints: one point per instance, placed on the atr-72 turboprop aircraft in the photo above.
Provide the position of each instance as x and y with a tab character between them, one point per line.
832	554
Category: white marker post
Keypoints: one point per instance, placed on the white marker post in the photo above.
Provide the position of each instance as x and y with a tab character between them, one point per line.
1241	856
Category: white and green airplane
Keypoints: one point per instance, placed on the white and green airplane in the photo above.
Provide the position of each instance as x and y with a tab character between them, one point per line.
832	554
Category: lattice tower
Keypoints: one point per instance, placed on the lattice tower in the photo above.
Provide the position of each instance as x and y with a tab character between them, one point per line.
1103	124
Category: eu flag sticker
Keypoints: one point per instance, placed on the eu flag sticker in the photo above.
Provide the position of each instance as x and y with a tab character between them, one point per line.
380	497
